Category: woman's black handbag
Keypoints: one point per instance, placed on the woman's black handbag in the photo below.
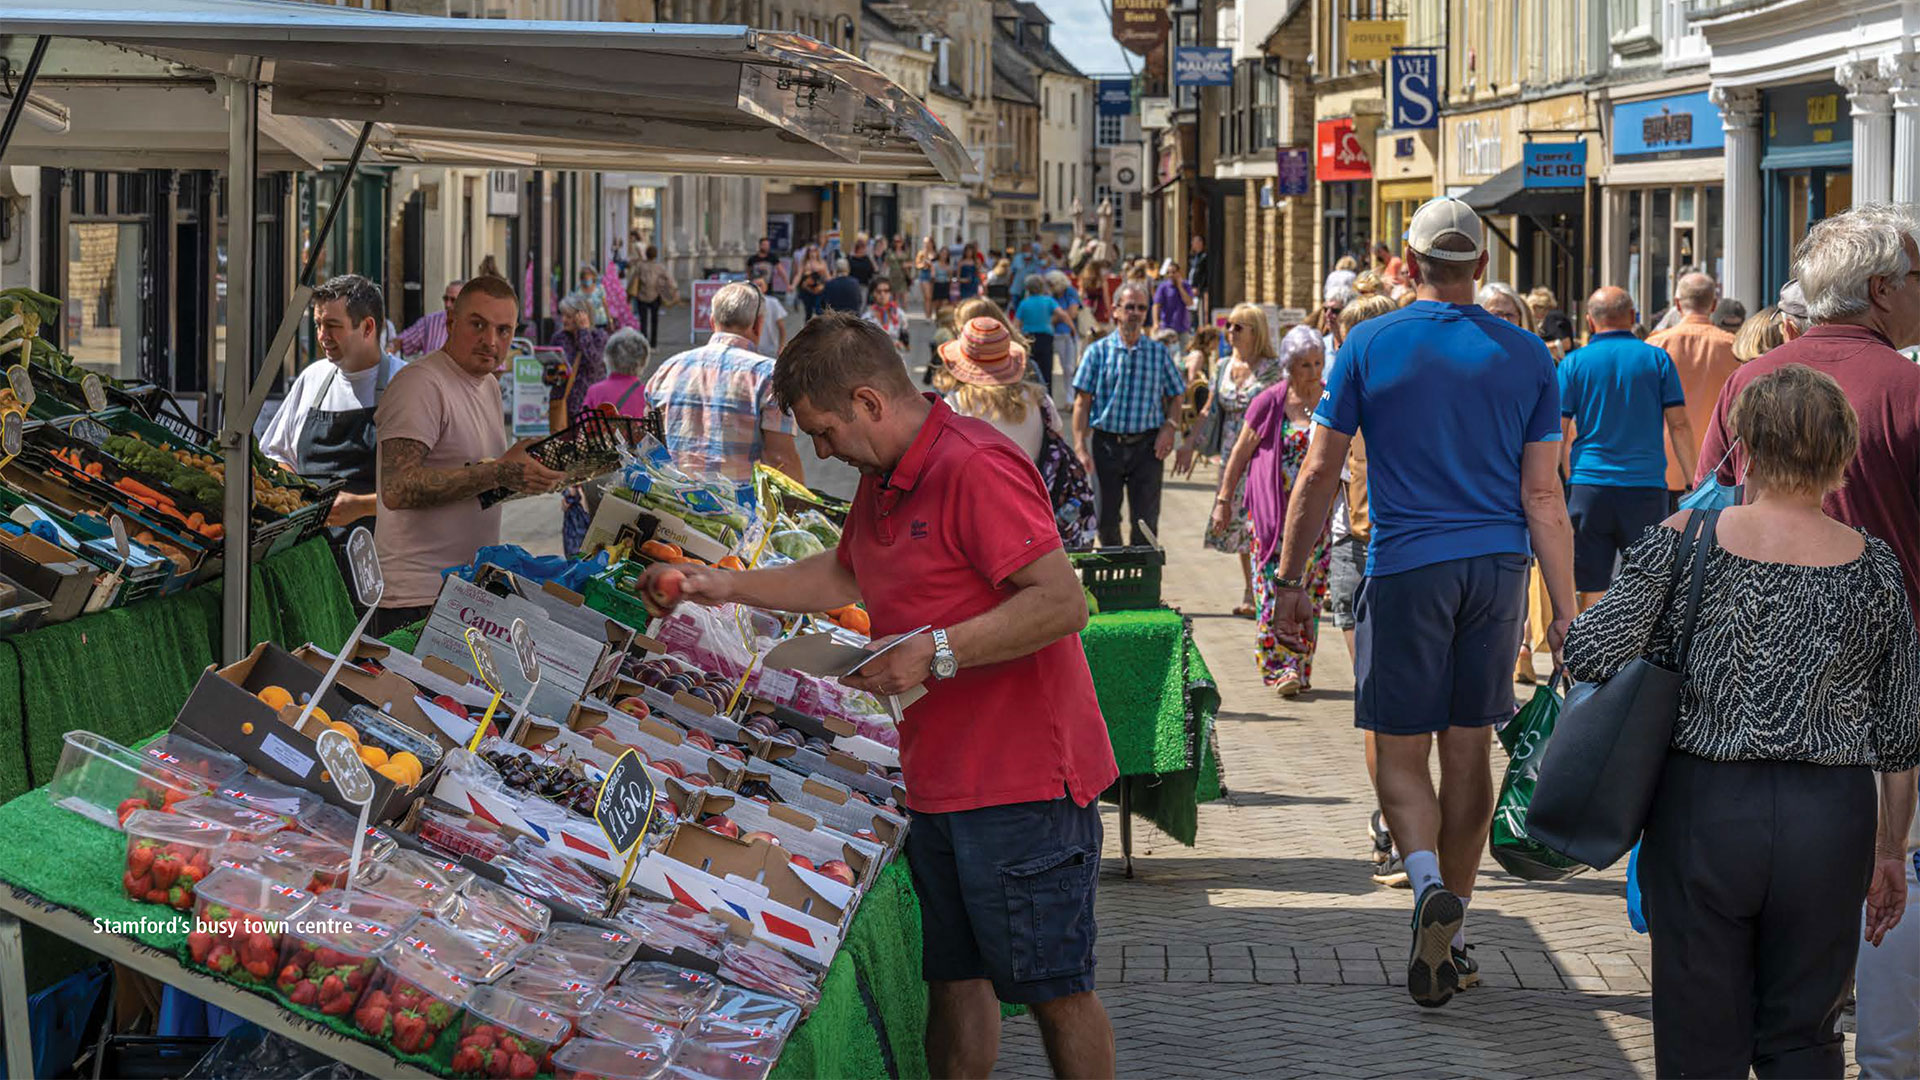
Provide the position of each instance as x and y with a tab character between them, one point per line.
1599	773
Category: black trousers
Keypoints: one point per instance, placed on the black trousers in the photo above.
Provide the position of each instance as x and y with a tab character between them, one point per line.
1752	874
648	312
1129	469
1040	349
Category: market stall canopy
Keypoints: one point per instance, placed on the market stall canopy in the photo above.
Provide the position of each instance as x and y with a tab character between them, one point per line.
1506	193
133	83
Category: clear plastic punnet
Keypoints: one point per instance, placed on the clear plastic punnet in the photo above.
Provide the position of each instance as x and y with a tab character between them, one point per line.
168	855
240	921
506	1035
326	961
103	781
242	823
411	1002
195	758
475	961
604	1059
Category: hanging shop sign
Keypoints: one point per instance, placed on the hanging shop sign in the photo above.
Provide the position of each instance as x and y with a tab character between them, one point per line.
1553	165
1156	112
1116	97
1139	25
1413	99
1815	114
1685	125
1373	39
503	193
1295	175
1126	168
1339	154
1197	65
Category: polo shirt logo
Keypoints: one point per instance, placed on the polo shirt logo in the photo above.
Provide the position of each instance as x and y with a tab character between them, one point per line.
918	530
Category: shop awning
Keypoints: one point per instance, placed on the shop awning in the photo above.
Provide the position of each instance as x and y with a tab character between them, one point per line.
1504	194
133	83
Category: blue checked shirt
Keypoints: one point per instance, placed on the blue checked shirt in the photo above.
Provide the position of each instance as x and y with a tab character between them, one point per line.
1130	386
719	402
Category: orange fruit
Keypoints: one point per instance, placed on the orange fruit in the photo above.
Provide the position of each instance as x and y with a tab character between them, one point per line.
373	756
411	764
340	726
396	773
275	697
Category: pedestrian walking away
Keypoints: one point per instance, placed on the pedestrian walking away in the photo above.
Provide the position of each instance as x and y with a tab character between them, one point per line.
1766	833
720	413
1461	415
1253	366
1005	836
1703	354
1126	407
1618	396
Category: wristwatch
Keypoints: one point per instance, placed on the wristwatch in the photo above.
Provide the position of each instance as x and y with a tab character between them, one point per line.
1288	583
945	666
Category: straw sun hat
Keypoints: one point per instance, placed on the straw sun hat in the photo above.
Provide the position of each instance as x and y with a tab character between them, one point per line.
985	354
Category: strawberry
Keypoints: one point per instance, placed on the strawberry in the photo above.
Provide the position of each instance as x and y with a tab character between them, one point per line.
409	1031
329	957
289	975
193	872
199	943
137	885
165	869
156	896
467	1060
371	1018
222	959
439	1014
199	863
356	980
180	896
339	1006
406	997
261	945
512	1044
128	806
523	1067
305	993
140	858
260	969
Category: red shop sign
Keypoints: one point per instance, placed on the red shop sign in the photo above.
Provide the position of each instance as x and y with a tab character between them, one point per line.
1338	153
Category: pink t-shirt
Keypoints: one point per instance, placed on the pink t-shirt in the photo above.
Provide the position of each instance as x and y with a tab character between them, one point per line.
610	391
459	418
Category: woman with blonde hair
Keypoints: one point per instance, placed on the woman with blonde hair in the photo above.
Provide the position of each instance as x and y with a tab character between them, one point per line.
1252	367
1550	322
1369	283
1202	351
1759	335
1501	301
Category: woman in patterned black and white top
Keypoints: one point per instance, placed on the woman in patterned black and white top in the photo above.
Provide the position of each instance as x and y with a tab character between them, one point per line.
1802	681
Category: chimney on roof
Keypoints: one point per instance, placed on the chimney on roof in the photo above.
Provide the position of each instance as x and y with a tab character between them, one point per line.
940	64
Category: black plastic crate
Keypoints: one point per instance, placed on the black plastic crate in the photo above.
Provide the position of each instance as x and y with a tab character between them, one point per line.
589	448
1122	579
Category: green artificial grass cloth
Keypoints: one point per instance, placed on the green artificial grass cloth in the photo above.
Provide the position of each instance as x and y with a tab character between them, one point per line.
1159	701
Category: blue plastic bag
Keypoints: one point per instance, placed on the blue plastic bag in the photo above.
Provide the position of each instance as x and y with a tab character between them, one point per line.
57	1017
571	574
1635	913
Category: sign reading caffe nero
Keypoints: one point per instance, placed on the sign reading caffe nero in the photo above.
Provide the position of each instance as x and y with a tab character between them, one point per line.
1682	126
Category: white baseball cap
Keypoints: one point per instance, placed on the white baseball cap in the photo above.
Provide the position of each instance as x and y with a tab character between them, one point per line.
1444	217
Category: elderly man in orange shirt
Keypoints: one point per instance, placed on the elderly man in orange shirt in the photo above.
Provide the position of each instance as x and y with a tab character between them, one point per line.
1703	354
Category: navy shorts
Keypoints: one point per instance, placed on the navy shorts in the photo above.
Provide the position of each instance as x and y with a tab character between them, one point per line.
1606	522
1006	893
1434	646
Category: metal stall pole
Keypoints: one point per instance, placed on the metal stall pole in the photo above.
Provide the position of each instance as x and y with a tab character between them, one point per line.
18	104
236	435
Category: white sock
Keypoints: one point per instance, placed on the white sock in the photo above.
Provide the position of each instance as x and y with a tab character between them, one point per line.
1460	935
1423	869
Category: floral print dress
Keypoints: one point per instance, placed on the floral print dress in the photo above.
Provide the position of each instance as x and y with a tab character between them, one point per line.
1234	397
1277	661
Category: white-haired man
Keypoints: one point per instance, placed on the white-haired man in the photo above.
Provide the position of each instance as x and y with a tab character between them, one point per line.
721	416
1860	275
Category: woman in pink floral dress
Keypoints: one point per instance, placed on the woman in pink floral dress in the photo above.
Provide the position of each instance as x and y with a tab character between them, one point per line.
1269	452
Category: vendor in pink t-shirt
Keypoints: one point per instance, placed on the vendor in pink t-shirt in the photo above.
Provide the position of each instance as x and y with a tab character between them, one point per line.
442	442
626	355
1005	756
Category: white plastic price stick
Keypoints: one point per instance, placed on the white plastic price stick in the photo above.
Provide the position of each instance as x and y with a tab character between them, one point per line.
368	584
482	653
529	659
350	776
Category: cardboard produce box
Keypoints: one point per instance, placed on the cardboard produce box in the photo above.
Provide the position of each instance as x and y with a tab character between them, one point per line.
826	801
224	712
579	648
799	833
654	740
752	881
63	579
397	697
616	512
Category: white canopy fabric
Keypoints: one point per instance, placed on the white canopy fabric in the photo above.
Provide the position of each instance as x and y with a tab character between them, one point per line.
136	80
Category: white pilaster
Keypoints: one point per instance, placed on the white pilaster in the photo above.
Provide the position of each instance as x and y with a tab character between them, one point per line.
1905	71
1868	87
1740	117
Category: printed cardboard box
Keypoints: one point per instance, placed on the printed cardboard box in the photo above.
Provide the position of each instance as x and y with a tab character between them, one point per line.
752	881
826	801
579	648
798	833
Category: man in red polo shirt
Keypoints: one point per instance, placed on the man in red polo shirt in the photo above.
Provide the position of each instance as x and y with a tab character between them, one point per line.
1005	755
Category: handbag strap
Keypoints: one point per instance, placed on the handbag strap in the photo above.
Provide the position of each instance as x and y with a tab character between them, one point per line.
1708	522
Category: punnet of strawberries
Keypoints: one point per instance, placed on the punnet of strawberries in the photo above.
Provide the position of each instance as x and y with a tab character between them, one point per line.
239	920
326	966
411	1002
167	856
507	1037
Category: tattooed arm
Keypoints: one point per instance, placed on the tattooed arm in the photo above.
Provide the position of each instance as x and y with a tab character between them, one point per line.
407	483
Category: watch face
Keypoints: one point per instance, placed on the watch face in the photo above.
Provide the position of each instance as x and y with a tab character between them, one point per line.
945	666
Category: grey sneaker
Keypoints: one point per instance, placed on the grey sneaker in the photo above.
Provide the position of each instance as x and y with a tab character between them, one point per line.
1466	968
1382	839
1392	873
1432	978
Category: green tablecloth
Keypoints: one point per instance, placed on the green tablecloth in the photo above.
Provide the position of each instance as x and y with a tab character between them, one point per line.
1159	701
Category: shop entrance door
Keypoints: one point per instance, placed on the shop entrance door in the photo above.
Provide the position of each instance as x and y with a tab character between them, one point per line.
1796	200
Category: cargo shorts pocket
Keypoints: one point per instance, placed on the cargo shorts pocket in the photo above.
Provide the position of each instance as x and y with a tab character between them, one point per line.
1050	914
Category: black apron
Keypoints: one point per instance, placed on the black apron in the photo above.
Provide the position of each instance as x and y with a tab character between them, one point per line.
341	445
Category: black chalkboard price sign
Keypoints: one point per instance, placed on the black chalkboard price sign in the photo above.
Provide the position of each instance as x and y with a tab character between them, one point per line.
624	807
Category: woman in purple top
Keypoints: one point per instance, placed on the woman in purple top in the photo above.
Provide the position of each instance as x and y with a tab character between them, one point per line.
1170	300
1269	452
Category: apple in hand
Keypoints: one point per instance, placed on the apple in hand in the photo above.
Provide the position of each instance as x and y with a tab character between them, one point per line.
661	588
722	825
838	871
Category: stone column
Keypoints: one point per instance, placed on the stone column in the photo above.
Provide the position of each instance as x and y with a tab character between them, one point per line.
1905	71
1740	117
1868	86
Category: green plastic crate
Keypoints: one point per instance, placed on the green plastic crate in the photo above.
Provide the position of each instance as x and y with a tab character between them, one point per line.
604	595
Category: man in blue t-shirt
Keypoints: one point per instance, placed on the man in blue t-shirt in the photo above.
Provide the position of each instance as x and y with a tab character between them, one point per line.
1461	413
1621	402
1038	313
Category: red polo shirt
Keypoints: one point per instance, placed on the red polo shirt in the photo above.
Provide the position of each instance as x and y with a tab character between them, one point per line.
935	543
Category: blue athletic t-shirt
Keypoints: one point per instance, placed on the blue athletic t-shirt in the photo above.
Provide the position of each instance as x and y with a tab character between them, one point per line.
1035	314
1447	397
1617	390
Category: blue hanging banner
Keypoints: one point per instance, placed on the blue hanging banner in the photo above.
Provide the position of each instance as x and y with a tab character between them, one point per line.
1554	165
1116	97
1295	167
1413	98
1202	65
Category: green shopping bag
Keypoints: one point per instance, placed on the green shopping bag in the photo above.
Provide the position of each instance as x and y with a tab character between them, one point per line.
1525	738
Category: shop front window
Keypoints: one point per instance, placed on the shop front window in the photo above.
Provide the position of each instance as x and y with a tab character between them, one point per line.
106	309
1660	247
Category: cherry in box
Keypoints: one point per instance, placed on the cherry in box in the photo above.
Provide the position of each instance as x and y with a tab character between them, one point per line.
168	855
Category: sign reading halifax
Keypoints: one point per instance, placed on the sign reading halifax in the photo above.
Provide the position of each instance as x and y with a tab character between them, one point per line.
1200	65
1116	97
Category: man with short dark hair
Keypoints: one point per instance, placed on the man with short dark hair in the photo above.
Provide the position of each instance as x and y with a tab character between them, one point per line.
763	256
1460	410
324	427
1007	752
1617	396
442	443
429	332
1126	408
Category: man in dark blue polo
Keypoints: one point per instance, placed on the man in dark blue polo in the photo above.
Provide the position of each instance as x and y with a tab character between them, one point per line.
1621	405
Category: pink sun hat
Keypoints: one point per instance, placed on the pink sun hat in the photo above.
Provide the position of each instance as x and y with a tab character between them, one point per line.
985	354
